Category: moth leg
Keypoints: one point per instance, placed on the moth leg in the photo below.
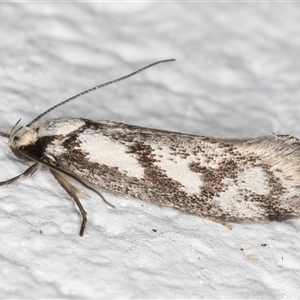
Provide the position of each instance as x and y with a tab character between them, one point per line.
61	171
95	191
221	222
28	172
71	190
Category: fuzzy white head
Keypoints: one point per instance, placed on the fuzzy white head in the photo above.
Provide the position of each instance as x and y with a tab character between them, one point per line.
21	138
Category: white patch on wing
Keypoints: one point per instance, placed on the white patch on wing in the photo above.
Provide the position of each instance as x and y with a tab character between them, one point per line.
104	151
178	169
252	179
55	149
60	126
232	201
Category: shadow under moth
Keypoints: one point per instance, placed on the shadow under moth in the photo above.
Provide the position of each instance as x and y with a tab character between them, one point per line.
225	180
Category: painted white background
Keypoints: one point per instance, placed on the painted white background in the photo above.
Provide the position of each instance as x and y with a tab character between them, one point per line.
237	74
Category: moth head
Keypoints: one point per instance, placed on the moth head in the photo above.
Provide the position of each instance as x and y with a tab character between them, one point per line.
22	139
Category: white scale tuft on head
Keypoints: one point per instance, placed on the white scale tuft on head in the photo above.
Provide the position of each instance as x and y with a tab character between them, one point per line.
23	137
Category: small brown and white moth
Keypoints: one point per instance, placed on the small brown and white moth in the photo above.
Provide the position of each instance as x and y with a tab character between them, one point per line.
225	180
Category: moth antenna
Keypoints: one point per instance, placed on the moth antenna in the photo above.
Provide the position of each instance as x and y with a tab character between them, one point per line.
12	130
95	88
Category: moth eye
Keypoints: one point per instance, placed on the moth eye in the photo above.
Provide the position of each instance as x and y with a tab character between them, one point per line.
16	138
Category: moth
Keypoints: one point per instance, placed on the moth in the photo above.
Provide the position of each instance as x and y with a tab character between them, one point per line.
224	180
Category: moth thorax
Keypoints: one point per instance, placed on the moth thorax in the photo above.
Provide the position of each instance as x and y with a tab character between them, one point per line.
22	138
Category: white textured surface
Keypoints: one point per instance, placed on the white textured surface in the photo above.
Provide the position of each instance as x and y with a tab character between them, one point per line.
237	74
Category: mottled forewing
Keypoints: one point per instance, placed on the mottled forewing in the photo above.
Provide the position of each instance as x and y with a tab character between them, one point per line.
231	180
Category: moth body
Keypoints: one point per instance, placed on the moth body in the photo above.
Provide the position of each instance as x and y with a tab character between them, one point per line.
225	180
221	179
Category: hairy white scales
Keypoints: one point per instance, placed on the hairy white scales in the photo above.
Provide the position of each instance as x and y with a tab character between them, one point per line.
100	149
